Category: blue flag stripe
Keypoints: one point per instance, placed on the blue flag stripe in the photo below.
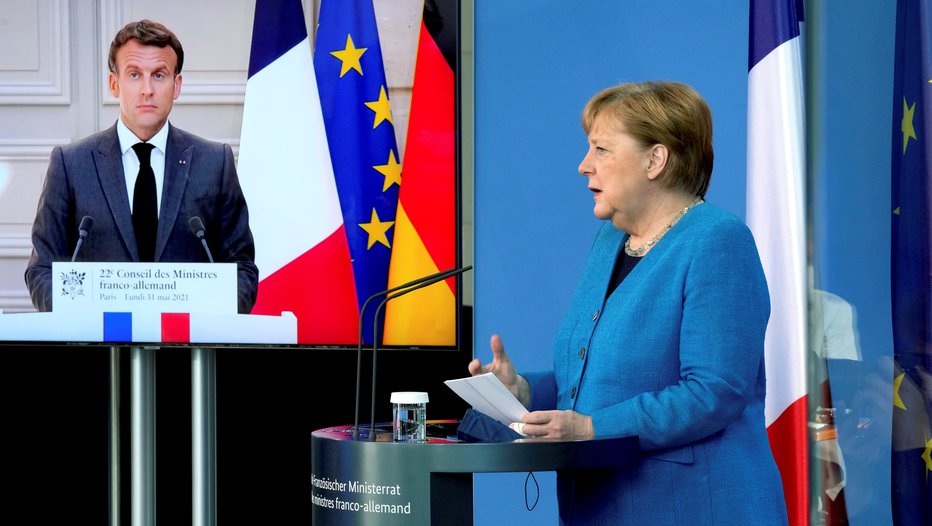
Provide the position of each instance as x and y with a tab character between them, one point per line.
287	19
358	140
118	327
773	22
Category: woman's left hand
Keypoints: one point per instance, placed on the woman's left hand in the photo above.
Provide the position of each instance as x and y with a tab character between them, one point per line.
559	425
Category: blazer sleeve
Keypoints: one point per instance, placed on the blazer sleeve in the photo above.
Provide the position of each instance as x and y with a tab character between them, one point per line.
721	341
51	240
236	241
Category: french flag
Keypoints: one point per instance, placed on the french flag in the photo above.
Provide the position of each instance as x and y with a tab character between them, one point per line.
288	180
776	214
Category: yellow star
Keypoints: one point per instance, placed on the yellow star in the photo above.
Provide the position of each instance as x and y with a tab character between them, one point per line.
376	230
382	109
391	170
896	211
350	56
927	456
897	401
906	126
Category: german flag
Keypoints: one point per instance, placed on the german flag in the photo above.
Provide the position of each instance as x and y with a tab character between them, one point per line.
425	224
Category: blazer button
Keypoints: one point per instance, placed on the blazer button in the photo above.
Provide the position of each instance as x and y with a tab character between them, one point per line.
595	315
573	392
582	353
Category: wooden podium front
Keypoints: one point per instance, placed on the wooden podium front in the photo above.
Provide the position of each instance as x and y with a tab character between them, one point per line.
358	482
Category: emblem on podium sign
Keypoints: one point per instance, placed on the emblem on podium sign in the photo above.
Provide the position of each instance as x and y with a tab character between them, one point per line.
72	284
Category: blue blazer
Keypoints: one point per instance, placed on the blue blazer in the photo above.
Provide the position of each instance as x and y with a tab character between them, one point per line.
675	355
86	178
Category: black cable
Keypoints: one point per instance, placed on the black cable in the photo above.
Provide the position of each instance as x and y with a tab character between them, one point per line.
530	476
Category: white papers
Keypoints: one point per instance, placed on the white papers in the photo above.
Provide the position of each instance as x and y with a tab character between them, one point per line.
488	395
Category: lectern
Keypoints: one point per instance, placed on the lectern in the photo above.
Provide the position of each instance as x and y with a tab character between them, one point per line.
143	305
359	482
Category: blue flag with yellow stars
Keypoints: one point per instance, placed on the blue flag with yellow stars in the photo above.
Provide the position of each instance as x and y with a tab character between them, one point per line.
911	268
361	136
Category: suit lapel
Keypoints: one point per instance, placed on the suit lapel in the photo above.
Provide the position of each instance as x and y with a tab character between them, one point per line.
178	152
607	259
109	161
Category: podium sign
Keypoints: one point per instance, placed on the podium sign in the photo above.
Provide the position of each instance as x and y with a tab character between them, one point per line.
360	482
82	287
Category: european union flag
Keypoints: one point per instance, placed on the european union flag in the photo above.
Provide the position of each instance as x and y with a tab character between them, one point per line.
911	269
361	136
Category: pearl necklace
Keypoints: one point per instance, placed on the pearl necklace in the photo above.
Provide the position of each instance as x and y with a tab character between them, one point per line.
646	246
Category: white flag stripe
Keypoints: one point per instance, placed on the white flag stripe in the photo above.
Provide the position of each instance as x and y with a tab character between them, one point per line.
776	215
284	162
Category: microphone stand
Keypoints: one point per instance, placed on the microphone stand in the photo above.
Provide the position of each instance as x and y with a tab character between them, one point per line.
196	225
414	283
424	282
86	223
210	257
77	248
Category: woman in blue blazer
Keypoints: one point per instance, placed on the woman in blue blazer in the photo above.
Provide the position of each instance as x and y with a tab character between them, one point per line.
664	338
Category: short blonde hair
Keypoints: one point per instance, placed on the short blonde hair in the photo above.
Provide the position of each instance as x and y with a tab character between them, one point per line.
669	113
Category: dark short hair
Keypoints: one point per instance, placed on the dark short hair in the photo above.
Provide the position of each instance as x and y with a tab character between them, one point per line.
668	113
147	33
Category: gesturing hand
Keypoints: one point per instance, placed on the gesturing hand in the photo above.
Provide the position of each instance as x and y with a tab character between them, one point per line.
502	368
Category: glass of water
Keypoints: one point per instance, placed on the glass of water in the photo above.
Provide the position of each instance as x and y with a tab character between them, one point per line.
409	416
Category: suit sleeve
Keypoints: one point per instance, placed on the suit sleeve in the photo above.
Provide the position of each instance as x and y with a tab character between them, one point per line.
51	240
721	345
237	245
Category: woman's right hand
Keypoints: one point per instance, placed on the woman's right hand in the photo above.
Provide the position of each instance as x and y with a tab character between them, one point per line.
502	367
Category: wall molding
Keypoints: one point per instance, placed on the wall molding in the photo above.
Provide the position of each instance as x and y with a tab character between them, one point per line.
51	84
15	246
14	297
12	150
13	301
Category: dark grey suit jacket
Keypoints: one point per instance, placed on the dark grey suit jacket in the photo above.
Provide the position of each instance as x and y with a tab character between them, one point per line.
86	179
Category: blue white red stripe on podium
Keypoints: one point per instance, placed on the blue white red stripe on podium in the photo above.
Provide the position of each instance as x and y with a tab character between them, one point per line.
149	328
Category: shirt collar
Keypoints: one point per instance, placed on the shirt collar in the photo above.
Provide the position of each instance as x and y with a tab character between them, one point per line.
128	138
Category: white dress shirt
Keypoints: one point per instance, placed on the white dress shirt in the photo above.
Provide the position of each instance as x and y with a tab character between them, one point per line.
131	162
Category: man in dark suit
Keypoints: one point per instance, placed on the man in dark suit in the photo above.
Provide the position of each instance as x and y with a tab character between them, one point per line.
142	196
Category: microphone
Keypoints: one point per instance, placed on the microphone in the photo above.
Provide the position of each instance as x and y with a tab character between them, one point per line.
86	223
438	276
390	294
197	228
442	275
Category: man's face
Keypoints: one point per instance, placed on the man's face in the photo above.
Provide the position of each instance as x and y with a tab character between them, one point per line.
146	86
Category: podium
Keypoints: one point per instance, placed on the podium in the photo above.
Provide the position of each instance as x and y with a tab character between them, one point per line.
140	306
360	482
93	327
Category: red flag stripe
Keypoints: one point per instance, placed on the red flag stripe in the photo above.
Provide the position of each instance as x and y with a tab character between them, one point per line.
790	446
318	288
176	327
429	178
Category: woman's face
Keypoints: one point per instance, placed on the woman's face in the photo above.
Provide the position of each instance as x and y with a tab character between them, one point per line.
616	166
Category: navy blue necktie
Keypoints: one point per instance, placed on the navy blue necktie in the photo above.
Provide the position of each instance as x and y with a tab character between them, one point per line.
145	203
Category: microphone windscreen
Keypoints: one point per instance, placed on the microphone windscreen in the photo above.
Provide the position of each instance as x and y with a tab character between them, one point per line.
86	223
196	226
